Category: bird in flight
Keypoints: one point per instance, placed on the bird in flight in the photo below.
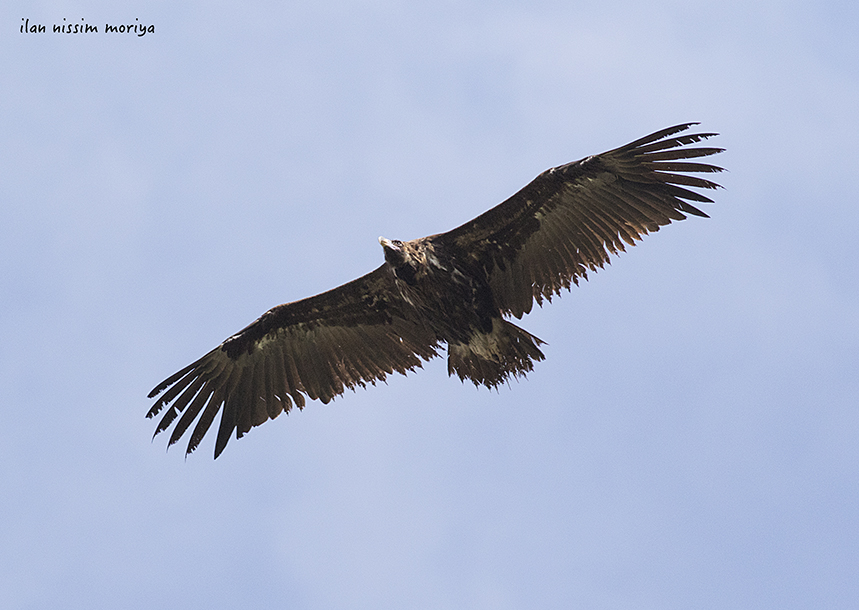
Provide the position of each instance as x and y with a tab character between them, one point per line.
456	288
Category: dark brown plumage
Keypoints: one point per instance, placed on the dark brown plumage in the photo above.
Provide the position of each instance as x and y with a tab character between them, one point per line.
453	288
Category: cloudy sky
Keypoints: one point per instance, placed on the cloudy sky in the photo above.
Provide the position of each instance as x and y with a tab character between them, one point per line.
691	441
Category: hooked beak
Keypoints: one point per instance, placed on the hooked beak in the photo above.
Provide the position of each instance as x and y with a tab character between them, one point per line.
387	244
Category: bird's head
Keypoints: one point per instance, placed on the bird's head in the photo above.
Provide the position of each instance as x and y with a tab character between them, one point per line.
402	258
395	253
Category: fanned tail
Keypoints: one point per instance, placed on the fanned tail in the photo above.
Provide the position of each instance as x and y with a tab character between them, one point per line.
491	358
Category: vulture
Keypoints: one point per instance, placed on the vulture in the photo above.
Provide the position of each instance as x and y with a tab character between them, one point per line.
457	288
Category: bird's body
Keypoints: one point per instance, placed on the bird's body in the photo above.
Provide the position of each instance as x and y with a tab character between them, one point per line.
451	293
454	288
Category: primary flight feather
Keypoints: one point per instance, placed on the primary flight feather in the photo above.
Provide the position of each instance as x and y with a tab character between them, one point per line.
454	288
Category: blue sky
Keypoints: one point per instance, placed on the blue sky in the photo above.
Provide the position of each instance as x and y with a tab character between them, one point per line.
691	439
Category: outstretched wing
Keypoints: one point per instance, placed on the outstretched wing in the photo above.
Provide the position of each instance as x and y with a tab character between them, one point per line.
348	336
569	218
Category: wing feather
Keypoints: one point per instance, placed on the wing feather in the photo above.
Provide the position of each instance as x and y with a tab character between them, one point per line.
189	413
273	404
317	347
230	396
206	419
278	363
294	385
174	410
